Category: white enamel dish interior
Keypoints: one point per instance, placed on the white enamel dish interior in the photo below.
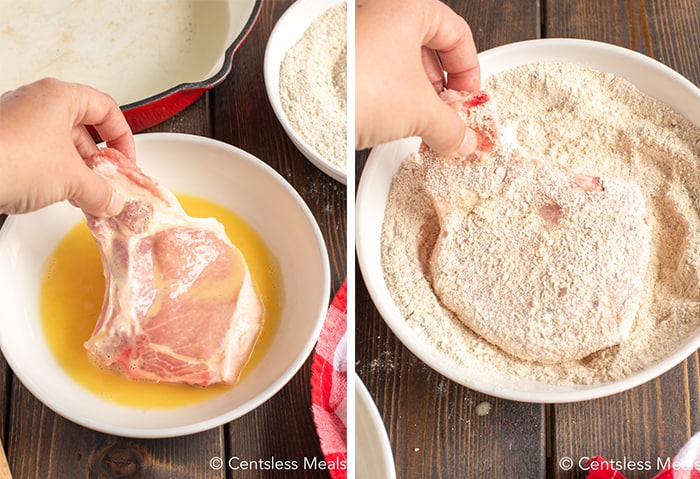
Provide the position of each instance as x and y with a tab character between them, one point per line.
131	49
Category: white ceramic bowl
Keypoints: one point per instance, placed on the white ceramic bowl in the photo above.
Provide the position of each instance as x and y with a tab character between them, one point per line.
650	76
208	169
373	456
288	30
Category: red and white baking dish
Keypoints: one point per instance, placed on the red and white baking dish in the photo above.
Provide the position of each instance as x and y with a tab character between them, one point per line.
155	58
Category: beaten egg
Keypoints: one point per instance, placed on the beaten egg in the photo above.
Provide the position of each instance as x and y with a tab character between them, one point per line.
72	290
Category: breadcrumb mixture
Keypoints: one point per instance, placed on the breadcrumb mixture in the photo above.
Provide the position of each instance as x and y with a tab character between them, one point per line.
313	85
591	123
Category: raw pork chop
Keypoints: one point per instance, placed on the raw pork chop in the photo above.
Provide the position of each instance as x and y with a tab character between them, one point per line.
179	303
548	266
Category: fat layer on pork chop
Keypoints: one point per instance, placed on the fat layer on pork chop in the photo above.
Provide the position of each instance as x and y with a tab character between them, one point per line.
548	266
179	302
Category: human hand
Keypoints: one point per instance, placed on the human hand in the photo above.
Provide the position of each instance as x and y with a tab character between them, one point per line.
398	74
43	141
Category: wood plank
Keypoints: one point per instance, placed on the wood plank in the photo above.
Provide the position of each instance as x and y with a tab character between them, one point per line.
674	27
667	30
5	385
498	23
43	444
601	21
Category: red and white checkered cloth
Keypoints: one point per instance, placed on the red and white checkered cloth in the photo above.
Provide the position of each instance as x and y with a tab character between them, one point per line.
684	465
329	386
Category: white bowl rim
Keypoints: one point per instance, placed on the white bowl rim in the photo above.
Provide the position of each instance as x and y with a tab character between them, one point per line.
271	77
562	44
269	391
367	409
393	318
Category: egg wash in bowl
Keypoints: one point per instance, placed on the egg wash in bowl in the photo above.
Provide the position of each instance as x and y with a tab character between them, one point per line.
72	292
197	168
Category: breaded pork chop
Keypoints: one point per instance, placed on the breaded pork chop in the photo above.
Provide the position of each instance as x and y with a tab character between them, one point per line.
548	266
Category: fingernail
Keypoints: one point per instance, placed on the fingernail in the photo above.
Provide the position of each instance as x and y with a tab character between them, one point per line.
116	205
469	142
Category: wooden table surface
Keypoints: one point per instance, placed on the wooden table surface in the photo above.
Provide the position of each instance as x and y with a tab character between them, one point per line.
433	427
41	444
432	423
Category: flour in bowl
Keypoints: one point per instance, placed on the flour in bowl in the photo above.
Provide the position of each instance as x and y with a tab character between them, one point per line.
590	123
313	85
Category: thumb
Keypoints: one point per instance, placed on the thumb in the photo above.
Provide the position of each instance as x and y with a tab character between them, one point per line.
94	195
444	130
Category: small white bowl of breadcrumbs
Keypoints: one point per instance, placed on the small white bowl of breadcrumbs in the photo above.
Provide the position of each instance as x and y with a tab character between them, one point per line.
305	71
